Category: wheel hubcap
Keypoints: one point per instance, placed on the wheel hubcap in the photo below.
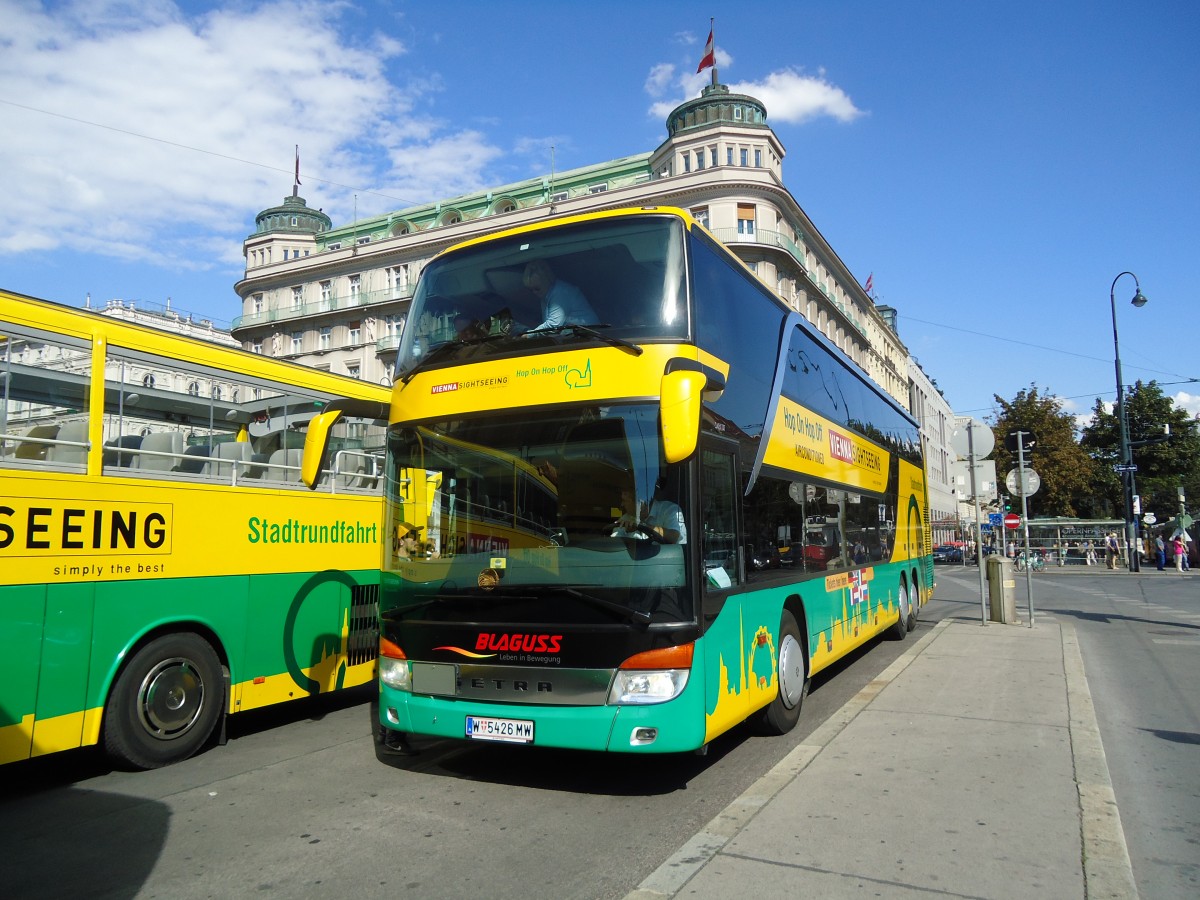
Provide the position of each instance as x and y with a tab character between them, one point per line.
170	699
791	671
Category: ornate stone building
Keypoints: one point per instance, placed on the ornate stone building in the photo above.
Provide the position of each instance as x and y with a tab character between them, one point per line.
336	298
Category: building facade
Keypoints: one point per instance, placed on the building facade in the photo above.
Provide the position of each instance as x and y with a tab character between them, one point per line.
937	421
337	298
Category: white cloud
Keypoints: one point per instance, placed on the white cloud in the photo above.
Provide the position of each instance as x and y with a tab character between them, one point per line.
1189	402
789	95
143	132
795	98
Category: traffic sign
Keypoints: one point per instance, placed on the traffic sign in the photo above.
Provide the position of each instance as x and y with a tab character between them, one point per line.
995	519
1016	441
1131	467
1025	486
1012	521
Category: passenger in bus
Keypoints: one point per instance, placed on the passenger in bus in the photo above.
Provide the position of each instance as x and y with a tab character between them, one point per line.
562	302
406	544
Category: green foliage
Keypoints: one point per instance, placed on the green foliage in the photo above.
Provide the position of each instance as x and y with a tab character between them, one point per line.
1162	466
1066	471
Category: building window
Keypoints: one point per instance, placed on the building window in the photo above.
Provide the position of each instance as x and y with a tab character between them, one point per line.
364	240
355	332
597	188
397	277
744	157
326	294
323	341
355	285
193	389
737	114
297	297
729	156
687	162
295	222
297	341
216	392
558	196
256	347
148	380
699	160
353	370
745	219
758	159
335	246
712	151
700	214
256	300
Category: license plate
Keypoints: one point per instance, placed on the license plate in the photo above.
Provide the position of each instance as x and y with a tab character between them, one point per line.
512	731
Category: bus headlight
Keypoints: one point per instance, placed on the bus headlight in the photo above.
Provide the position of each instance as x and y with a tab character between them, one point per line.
394	670
654	676
647	686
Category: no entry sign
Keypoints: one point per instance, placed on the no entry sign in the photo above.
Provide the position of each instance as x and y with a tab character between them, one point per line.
1012	521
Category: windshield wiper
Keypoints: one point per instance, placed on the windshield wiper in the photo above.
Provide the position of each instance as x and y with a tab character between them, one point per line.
633	615
585	331
444	350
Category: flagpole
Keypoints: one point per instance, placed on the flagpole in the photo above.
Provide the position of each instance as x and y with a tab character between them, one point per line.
712	30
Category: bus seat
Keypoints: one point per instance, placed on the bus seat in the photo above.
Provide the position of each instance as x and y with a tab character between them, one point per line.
195	460
168	442
120	451
282	458
258	468
31	450
71	433
232	451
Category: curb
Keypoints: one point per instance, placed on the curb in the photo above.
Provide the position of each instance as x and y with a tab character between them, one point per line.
670	877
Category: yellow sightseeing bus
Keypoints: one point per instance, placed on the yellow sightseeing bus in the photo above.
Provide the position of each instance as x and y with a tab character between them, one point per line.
162	564
633	498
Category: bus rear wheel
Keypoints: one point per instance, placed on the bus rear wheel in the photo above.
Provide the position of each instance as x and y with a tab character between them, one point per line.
165	704
900	630
782	713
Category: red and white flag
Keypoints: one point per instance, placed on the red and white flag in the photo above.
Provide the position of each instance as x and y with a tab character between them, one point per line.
870	282
710	57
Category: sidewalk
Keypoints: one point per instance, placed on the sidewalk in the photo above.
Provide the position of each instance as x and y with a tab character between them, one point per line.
972	767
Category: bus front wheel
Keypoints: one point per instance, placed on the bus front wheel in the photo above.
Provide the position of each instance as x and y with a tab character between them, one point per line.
782	713
165	704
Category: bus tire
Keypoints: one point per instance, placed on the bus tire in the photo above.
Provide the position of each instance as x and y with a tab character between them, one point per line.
165	704
914	605
782	713
900	630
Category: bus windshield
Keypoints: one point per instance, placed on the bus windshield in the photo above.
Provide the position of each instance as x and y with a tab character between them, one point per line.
569	516
623	278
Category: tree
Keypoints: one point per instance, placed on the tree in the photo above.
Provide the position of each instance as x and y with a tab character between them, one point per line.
1166	458
1066	471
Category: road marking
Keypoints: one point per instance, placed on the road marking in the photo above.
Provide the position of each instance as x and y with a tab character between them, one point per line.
1184	642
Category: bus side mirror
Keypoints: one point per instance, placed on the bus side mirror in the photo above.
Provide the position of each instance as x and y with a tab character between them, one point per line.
316	443
679	410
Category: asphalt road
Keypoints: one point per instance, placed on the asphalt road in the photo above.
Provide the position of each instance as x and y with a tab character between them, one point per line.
300	803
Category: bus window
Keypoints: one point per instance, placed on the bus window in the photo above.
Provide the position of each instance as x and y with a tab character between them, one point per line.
43	399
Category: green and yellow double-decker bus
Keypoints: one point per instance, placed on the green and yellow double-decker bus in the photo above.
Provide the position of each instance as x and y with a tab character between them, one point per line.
161	565
633	498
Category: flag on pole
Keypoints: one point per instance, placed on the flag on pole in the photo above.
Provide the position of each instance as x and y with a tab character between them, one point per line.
710	57
870	282
297	164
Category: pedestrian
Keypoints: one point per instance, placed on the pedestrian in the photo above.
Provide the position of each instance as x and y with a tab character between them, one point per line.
1160	552
1090	549
1110	550
1180	551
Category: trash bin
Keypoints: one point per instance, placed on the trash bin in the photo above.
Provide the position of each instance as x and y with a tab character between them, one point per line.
1002	588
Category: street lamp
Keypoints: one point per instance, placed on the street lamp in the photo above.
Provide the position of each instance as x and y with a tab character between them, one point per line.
1139	300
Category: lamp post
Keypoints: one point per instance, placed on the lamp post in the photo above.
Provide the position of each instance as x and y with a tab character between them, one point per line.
1139	300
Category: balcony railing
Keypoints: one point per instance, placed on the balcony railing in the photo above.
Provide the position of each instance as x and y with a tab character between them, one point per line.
333	304
763	236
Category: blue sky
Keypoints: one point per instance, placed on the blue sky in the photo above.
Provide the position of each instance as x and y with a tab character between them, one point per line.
995	165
